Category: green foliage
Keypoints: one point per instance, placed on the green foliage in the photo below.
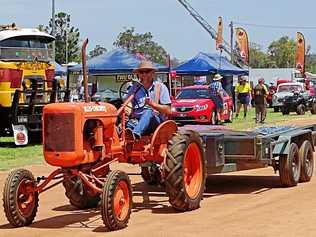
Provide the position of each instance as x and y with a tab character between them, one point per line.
141	43
282	52
98	50
67	37
258	59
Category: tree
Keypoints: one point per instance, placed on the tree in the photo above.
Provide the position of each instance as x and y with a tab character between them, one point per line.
67	38
141	43
98	50
282	52
258	58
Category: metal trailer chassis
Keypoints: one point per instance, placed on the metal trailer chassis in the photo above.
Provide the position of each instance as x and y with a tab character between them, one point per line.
289	151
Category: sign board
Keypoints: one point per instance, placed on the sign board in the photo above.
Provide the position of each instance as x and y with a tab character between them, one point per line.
20	135
125	77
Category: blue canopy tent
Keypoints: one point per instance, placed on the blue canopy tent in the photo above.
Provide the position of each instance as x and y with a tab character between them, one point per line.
204	64
113	62
59	70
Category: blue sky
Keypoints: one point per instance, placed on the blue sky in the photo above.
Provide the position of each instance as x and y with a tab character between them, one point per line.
102	20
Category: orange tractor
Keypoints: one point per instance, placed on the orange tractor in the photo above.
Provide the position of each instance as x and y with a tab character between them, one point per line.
82	139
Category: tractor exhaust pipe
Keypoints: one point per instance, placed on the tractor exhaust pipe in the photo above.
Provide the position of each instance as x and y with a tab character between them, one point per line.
84	70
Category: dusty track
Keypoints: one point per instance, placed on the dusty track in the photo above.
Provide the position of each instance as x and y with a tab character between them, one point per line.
248	203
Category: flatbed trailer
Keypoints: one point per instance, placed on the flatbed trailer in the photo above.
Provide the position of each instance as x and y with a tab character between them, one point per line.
288	150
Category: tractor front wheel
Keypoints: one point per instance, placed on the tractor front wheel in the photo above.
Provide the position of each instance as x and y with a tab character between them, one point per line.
184	171
20	200
116	200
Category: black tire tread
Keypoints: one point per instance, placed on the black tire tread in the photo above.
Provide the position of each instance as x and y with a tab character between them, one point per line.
109	187
9	203
173	168
303	151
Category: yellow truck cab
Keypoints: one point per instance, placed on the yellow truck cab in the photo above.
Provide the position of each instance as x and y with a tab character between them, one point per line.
26	77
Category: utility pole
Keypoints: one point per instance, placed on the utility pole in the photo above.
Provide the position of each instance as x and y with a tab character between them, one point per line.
53	27
231	42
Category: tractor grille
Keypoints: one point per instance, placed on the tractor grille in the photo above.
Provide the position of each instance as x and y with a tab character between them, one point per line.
59	132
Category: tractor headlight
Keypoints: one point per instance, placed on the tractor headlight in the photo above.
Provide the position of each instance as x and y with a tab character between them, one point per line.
201	107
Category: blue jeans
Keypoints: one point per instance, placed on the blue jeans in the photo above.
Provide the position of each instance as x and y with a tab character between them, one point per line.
145	124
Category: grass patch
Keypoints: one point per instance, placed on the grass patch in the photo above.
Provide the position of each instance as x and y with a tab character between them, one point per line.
12	156
273	119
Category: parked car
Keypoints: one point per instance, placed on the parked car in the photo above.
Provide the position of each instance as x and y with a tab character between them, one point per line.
193	104
287	89
109	96
299	102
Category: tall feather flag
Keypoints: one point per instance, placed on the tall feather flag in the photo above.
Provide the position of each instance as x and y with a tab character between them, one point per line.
300	52
243	45
219	35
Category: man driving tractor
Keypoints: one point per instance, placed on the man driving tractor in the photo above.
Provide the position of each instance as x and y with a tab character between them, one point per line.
151	104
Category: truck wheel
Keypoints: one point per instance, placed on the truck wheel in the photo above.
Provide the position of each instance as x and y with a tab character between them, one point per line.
184	171
20	201
307	158
116	200
313	109
151	174
290	167
300	109
285	111
77	194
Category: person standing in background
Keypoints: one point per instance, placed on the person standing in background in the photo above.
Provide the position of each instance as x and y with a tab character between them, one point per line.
242	91
260	94
216	91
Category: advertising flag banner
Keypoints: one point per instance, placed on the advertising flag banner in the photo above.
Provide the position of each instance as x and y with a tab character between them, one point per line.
219	36
300	52
243	45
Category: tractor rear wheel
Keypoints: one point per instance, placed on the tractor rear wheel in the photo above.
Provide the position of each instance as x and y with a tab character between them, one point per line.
290	167
151	174
20	201
77	194
307	159
116	200
184	171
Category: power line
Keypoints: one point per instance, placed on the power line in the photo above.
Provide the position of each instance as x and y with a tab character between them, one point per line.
276	26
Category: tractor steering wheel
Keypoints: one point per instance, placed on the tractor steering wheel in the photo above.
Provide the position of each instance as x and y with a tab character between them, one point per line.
126	86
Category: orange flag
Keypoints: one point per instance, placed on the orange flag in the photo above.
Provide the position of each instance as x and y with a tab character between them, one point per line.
300	52
219	35
243	46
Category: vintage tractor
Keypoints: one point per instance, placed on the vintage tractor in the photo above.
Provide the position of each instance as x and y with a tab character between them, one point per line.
82	139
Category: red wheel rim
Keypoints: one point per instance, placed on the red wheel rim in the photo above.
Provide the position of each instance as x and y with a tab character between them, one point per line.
121	200
192	170
25	197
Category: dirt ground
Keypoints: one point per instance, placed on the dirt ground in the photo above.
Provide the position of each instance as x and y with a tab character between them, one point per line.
247	203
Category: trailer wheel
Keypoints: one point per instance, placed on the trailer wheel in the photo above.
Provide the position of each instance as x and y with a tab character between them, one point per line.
313	109
184	171
290	167
116	200
151	174
307	158
77	194
285	111
20	201
300	109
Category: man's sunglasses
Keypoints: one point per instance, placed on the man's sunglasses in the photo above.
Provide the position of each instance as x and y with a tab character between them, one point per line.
144	71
